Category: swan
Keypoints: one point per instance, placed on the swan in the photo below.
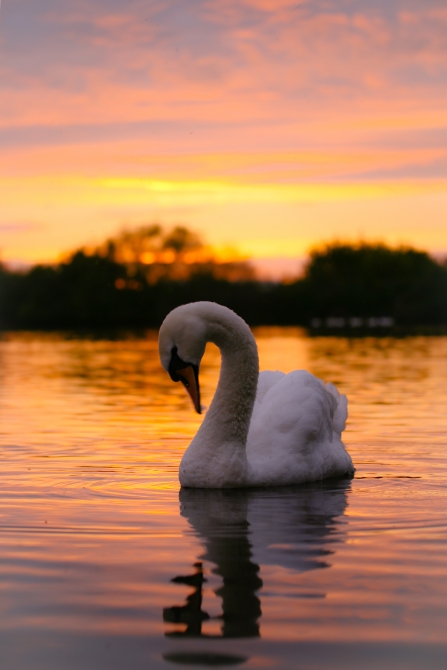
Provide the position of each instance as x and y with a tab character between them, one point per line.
267	429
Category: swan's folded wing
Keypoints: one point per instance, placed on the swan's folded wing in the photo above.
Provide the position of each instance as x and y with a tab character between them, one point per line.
266	380
299	406
295	431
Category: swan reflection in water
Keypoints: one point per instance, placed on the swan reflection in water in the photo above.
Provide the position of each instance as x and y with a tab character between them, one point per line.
242	530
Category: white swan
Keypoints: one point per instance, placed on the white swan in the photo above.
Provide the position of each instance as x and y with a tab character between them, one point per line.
263	429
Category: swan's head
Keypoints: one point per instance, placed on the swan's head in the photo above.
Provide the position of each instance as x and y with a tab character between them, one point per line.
181	344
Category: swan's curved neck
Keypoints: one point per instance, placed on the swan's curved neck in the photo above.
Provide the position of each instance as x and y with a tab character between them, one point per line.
216	457
228	417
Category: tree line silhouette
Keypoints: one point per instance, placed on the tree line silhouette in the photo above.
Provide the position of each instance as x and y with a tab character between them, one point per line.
137	277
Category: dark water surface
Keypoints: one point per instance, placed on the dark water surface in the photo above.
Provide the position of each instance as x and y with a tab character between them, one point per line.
105	564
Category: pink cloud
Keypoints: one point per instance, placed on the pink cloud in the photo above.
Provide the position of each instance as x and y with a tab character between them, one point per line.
252	76
276	66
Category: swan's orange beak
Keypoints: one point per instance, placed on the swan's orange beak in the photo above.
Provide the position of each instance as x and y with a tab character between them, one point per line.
190	380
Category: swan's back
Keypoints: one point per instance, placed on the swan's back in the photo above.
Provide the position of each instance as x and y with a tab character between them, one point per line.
295	430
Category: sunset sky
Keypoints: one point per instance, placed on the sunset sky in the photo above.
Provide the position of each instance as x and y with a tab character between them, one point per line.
266	125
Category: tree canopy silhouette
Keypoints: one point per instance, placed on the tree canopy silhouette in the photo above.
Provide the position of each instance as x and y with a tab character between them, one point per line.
177	254
373	280
135	278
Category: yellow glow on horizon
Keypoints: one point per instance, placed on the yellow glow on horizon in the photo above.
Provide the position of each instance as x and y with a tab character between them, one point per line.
79	191
58	213
206	191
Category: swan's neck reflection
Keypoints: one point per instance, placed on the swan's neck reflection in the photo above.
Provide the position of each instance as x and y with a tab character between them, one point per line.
230	551
243	529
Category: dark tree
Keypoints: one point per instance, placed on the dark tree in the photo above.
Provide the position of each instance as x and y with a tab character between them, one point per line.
375	280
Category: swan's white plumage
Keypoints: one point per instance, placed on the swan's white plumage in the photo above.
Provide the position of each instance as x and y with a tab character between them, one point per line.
263	429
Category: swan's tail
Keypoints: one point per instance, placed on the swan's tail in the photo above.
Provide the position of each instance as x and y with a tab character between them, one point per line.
340	405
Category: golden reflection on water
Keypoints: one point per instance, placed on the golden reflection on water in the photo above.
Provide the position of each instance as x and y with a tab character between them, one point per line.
97	547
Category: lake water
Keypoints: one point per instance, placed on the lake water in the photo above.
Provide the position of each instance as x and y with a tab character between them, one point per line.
104	563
